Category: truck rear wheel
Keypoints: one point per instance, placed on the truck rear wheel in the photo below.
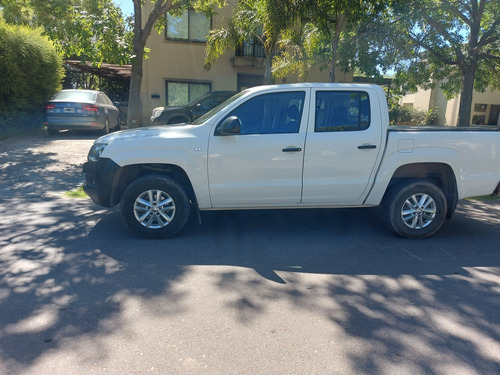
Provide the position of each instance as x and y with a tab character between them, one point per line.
154	207
415	209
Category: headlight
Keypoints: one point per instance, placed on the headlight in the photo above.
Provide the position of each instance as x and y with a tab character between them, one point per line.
157	112
96	151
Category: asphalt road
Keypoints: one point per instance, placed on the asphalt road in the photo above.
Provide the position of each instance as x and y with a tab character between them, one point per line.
260	292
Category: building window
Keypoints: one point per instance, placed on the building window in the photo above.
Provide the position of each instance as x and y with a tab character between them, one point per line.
479	119
342	111
480	107
191	26
180	93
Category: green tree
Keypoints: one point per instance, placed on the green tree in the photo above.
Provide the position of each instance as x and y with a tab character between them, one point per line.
30	72
455	42
155	18
88	30
325	35
253	20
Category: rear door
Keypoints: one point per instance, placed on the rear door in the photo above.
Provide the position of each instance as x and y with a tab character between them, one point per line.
343	144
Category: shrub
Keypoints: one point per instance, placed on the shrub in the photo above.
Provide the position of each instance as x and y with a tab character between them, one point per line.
30	74
405	115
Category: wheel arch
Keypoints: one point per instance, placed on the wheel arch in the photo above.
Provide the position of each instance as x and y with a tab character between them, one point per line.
440	174
129	173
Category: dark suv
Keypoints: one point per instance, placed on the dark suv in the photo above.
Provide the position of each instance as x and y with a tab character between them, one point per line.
190	111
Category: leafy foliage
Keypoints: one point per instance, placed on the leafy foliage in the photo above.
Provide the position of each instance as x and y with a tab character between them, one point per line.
403	115
30	72
258	20
453	42
329	34
154	19
89	30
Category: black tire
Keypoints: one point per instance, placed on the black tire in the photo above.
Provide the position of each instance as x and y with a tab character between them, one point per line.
141	214
415	208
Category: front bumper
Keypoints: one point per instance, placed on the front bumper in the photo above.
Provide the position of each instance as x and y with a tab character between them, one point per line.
101	181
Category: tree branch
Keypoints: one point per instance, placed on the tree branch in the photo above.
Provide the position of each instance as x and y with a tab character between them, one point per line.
443	31
489	56
457	12
445	59
485	39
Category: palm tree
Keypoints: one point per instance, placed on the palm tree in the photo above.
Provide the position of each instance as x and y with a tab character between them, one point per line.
257	20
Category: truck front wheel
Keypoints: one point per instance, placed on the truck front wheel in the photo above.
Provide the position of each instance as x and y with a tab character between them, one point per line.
154	207
415	209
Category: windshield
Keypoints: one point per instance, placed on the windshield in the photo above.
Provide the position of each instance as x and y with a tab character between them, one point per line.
214	110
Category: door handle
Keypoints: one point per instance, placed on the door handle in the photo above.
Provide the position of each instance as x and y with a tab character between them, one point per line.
292	149
367	147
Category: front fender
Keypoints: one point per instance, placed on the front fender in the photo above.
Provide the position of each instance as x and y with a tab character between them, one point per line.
192	163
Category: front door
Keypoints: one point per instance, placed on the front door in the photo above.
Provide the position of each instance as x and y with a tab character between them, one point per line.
262	165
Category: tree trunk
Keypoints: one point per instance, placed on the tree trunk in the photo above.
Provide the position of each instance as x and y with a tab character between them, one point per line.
464	111
269	52
268	70
340	23
140	38
134	98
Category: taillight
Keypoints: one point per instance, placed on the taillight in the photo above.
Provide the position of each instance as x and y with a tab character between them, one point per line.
50	106
90	108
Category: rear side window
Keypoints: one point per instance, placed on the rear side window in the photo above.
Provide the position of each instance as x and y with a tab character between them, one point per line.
271	113
342	111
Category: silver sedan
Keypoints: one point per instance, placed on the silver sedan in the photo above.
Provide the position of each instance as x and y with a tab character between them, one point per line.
81	109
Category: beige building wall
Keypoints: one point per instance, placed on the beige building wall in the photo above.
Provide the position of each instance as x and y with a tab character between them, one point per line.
420	100
181	61
485	106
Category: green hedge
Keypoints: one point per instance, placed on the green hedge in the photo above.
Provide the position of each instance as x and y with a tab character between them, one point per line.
411	116
30	74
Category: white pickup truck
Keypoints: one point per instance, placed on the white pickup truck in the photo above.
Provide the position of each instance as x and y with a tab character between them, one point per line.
293	146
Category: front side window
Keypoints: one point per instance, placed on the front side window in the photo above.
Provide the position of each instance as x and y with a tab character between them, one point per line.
342	111
191	26
271	113
181	93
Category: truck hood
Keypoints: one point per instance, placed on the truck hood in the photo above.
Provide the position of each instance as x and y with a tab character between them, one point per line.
171	131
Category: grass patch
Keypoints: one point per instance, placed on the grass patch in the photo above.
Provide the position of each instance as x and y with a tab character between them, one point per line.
77	193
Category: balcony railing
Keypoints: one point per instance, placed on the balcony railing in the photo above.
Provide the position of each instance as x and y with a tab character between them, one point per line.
250	48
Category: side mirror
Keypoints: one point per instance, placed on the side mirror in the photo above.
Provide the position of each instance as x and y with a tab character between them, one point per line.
230	126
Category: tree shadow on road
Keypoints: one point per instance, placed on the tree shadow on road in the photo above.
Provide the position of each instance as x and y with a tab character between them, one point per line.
41	166
431	304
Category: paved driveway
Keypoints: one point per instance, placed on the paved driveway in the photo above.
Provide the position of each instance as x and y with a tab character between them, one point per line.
260	292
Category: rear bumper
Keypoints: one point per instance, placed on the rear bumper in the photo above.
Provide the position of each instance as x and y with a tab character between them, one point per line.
73	122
